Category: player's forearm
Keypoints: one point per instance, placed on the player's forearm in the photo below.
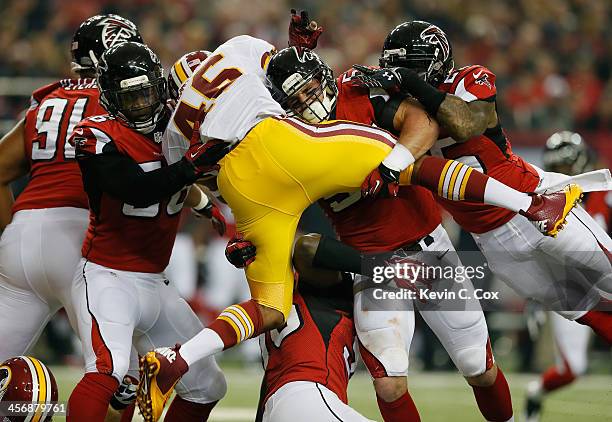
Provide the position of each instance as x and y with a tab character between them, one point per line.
418	131
455	116
122	178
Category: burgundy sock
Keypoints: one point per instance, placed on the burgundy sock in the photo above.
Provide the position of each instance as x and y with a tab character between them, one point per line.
600	322
237	319
402	409
553	379
494	401
91	397
433	171
182	410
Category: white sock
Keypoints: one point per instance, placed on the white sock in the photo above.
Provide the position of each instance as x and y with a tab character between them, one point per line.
498	194
204	344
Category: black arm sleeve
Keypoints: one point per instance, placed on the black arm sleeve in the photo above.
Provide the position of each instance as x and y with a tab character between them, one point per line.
121	177
384	111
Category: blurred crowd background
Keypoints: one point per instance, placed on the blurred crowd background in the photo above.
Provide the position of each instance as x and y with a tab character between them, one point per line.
551	58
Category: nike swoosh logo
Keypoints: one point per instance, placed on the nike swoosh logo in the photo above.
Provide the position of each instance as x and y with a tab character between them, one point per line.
477	75
377	185
192	155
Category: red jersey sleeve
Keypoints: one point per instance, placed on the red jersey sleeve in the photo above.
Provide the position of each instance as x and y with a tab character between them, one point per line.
475	83
88	140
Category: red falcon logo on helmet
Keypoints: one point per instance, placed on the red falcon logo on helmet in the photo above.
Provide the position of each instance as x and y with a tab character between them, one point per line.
116	32
434	35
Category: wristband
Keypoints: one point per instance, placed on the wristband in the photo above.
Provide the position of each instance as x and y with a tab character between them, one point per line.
204	201
399	158
427	95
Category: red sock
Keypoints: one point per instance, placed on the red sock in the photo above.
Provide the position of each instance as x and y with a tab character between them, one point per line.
494	401
600	322
399	410
182	410
441	176
552	379
128	413
237	323
90	398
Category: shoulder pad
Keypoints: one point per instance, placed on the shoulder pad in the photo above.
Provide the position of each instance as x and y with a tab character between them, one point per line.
88	140
475	83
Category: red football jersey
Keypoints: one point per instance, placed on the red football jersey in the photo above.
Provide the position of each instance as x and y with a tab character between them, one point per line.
316	344
599	205
119	235
55	109
387	223
490	153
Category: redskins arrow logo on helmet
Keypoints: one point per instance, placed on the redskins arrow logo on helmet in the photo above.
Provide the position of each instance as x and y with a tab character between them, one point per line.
115	31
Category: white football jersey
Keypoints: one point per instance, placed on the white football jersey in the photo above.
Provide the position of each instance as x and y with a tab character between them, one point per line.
229	88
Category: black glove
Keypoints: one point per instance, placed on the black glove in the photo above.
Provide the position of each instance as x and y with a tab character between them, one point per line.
240	252
389	79
402	80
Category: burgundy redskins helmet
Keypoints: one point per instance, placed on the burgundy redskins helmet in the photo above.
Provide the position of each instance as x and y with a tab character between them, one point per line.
183	69
25	380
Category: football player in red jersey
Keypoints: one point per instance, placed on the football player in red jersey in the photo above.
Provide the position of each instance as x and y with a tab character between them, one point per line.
308	362
417	59
39	249
567	153
120	292
410	221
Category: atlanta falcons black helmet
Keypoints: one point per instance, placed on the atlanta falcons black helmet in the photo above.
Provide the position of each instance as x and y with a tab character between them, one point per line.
420	46
96	35
132	85
289	76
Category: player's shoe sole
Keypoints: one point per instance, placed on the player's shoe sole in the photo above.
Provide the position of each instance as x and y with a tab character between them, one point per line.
150	399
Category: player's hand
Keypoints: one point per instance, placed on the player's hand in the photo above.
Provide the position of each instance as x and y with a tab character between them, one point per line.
389	79
204	156
303	33
380	179
239	252
212	212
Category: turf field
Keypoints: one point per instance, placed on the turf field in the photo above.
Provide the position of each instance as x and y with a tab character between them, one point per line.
440	397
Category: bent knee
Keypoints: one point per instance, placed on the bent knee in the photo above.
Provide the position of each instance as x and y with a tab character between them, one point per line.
273	318
390	388
471	362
